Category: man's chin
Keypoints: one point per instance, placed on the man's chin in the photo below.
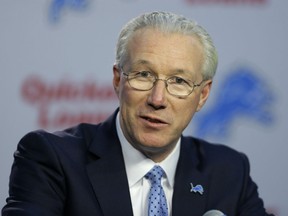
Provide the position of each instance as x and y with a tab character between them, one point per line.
156	151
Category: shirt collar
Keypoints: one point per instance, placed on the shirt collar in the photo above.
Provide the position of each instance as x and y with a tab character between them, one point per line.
137	165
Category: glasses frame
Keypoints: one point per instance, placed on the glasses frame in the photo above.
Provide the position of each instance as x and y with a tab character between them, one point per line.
193	86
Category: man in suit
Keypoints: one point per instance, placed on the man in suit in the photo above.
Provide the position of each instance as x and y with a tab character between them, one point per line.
163	74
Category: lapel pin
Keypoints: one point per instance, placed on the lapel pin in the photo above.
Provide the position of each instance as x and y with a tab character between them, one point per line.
197	189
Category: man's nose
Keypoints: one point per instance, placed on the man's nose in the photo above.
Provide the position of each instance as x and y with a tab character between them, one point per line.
157	96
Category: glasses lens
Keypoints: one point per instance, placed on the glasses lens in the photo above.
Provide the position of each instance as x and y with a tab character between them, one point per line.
179	86
141	83
179	90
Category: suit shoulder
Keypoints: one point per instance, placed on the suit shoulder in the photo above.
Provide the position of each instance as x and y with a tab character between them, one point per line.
216	153
70	139
77	132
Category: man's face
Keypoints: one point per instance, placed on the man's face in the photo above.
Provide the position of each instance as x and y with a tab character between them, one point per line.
152	121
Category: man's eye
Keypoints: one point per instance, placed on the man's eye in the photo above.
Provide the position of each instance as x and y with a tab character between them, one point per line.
143	74
178	80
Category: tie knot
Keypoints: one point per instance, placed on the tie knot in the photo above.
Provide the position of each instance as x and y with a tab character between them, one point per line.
155	175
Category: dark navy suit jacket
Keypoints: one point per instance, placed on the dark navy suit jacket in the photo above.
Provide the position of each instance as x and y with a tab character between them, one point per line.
81	172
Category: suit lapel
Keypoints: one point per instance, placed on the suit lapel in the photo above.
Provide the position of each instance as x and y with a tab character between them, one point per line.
185	201
107	173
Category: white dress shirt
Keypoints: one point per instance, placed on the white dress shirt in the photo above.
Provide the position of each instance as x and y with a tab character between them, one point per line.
138	165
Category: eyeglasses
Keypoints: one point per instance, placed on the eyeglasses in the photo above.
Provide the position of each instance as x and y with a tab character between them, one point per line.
146	80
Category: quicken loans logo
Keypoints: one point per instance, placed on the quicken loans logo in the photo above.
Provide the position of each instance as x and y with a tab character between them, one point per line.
57	7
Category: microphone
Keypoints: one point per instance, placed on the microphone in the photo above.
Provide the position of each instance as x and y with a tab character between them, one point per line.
214	213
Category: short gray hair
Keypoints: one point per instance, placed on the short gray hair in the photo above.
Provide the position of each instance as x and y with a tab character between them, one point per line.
169	23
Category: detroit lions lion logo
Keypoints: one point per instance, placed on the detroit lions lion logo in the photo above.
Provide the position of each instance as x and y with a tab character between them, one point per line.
58	6
197	189
242	95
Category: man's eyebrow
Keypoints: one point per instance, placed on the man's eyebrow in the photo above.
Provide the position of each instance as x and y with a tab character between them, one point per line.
172	71
141	62
182	72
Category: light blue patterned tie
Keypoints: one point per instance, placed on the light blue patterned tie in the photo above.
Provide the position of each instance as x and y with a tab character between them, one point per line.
157	205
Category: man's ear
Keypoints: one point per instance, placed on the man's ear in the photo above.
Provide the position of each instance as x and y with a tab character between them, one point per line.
205	91
116	78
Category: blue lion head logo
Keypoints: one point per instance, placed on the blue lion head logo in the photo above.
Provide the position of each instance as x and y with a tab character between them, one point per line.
57	6
243	94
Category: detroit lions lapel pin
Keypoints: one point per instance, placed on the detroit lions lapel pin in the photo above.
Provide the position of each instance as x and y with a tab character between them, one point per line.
197	189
